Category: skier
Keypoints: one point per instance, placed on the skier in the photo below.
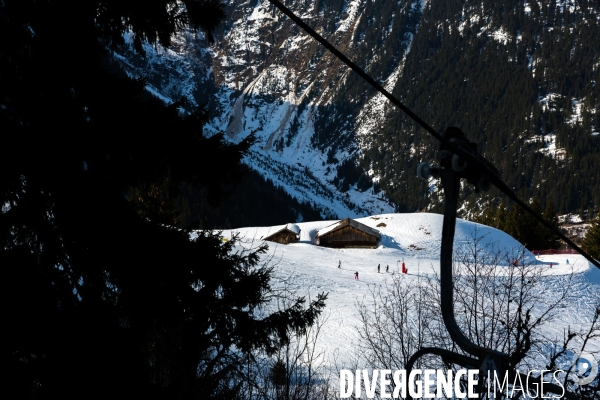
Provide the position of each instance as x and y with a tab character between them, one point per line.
340	264
550	265
378	266
356	276
387	268
567	261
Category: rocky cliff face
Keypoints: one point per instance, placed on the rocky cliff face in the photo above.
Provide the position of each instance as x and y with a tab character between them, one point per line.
326	137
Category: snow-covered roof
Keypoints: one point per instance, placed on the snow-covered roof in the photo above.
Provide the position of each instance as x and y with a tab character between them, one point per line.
292	228
349	222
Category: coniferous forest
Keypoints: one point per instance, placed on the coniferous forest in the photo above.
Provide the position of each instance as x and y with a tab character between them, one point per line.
511	94
100	297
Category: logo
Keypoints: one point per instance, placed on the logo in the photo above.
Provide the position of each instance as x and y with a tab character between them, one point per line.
582	363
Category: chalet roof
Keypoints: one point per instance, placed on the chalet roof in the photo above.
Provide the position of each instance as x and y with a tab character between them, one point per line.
349	222
291	228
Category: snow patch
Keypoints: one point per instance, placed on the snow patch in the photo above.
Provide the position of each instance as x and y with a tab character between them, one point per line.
577	107
350	14
501	36
258	12
548	102
472	20
549	148
570	218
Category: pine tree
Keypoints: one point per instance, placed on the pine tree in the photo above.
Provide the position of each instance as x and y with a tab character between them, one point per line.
100	298
522	226
591	242
512	224
487	217
501	217
530	230
550	239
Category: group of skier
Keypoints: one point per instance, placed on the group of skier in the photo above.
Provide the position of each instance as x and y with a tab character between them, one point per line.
387	269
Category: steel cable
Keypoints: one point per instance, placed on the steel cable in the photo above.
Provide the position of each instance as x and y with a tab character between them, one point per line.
484	169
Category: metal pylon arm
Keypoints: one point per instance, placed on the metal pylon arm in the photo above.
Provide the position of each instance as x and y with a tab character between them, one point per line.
452	169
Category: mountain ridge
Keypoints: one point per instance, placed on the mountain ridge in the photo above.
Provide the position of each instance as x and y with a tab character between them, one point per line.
471	64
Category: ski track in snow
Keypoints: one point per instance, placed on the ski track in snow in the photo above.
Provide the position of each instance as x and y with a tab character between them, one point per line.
311	269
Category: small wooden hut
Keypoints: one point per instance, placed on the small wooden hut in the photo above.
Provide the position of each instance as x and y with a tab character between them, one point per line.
290	233
348	233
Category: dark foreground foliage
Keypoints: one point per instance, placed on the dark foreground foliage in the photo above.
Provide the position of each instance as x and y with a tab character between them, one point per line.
98	297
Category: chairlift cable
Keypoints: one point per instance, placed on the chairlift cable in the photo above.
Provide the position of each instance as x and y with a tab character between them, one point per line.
484	168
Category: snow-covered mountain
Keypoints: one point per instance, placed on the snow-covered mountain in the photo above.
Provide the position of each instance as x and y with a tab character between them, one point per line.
266	76
325	136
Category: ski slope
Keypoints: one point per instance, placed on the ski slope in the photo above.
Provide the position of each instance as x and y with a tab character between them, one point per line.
414	238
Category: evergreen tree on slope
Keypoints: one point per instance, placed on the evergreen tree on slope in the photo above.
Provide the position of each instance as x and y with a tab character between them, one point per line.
591	242
98	299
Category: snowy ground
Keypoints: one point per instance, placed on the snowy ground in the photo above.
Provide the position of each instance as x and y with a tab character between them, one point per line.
414	238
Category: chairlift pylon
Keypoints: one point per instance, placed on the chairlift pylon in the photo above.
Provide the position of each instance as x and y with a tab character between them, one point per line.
450	171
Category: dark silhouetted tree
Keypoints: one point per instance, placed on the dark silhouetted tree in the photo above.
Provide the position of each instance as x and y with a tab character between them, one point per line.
591	242
102	297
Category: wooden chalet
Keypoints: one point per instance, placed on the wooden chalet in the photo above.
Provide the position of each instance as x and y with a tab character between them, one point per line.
290	233
348	233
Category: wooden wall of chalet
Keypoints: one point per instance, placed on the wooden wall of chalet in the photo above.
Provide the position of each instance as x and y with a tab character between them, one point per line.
348	236
282	237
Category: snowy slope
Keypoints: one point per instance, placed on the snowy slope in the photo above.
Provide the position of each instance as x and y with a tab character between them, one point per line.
414	238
